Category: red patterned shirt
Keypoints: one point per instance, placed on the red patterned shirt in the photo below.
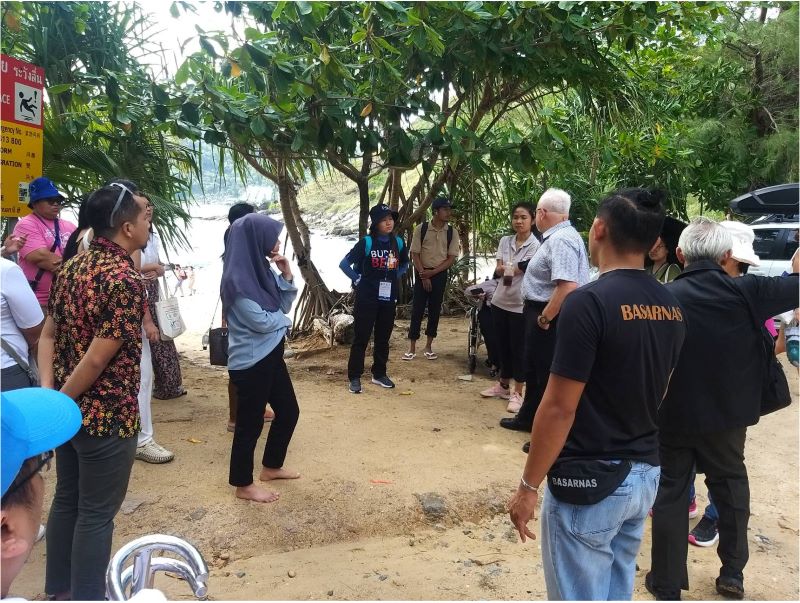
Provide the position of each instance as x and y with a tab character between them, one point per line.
100	294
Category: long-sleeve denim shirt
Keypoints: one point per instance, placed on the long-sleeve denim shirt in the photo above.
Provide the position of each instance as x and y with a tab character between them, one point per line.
253	332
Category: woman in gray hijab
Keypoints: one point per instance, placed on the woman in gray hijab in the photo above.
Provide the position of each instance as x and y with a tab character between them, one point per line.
257	299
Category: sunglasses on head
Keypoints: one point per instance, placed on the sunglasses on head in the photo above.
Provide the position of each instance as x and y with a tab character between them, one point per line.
122	192
42	462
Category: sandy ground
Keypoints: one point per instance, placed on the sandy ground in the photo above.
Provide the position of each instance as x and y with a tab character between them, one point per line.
353	526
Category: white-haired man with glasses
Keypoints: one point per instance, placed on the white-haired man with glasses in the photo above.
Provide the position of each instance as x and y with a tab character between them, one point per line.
45	235
90	350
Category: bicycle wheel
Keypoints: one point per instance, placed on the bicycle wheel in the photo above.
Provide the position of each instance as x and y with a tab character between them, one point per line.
472	340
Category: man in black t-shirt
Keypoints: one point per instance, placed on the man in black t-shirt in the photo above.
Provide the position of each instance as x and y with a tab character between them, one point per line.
595	434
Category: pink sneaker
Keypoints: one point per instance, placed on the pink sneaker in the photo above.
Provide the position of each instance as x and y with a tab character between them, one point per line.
514	403
693	508
497	391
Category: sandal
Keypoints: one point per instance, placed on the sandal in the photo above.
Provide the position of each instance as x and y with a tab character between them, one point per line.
408	356
431	355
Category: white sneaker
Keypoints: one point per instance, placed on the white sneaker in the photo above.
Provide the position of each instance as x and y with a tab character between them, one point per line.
42	532
153	453
514	403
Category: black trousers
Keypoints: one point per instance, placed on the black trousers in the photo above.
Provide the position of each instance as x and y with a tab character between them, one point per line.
540	346
368	316
267	381
720	456
510	334
486	322
432	300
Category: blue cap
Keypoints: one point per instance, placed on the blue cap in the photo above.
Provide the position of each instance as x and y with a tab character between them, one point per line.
42	188
440	202
380	211
34	420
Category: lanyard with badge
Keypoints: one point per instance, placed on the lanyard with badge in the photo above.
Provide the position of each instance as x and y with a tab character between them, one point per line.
385	285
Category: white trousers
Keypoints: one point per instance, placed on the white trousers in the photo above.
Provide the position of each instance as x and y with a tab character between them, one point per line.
145	393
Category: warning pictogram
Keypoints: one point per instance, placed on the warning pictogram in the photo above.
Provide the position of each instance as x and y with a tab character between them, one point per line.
28	104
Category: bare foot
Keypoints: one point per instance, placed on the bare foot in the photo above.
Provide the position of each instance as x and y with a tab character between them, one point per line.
268	474
253	492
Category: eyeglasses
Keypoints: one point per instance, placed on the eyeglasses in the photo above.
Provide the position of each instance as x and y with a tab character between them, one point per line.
54	201
43	462
124	190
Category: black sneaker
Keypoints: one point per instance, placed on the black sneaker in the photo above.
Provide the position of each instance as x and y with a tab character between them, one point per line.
383	381
355	386
729	587
705	533
526	447
660	595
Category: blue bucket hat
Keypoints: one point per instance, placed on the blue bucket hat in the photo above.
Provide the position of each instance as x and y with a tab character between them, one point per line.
42	188
34	420
380	211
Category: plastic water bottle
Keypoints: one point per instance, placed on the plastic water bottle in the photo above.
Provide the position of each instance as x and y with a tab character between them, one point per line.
205	340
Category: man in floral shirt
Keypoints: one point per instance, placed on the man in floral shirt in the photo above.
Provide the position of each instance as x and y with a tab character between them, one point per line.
90	349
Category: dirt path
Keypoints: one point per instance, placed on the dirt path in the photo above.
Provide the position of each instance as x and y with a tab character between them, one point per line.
354	527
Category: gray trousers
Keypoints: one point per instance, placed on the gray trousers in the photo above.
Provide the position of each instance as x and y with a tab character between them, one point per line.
92	479
14	377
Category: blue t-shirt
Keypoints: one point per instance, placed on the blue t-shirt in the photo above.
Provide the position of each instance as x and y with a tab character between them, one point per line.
385	262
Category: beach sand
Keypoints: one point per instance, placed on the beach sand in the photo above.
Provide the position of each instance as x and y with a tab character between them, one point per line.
353	527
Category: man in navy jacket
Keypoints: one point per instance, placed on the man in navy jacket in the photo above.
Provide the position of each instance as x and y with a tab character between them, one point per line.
713	396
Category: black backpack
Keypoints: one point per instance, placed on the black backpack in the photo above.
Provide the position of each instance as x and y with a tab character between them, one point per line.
424	231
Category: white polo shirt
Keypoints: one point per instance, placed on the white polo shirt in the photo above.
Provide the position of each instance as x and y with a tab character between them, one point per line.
19	309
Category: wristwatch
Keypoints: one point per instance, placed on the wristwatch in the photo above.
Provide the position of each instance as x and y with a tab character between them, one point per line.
543	320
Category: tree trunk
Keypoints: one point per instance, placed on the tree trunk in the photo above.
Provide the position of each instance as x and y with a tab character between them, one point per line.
463	226
316	299
363	205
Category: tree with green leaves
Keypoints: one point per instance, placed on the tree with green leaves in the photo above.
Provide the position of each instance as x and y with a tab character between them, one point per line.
365	87
99	122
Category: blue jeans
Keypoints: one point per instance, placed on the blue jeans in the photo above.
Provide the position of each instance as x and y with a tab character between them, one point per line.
589	551
711	511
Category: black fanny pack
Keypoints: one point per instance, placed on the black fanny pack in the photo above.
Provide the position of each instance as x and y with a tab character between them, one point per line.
585	481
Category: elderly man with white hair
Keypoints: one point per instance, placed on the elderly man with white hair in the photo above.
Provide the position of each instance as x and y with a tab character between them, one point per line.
714	395
557	268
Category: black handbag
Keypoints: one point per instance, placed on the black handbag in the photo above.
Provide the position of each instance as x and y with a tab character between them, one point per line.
216	340
218	346
775	393
586	481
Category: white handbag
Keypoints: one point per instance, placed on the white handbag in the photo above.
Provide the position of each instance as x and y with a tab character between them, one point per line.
168	313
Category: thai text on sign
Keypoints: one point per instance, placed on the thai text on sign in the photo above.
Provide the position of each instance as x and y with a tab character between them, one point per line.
22	91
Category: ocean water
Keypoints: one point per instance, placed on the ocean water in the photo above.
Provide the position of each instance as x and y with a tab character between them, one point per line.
205	233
